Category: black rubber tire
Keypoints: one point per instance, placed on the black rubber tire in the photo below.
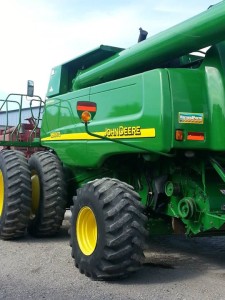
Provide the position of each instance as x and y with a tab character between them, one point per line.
47	219
16	194
121	229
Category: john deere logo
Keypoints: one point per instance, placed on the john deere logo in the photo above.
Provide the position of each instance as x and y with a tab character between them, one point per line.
123	131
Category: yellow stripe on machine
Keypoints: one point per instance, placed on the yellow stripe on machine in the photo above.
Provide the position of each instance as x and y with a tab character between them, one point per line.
114	133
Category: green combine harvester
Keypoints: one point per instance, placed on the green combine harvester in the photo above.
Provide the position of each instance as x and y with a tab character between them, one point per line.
133	140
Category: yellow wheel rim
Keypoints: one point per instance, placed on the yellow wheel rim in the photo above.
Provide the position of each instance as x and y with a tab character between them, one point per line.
86	230
1	193
35	192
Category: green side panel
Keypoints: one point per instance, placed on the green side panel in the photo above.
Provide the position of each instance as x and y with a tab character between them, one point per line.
125	108
60	116
214	67
198	94
62	76
189	97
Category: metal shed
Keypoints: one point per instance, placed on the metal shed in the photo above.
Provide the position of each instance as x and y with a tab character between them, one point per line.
13	116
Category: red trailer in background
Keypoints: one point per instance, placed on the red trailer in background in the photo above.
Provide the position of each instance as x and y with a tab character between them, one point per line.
25	135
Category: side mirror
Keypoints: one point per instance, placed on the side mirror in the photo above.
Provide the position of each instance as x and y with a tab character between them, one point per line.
30	88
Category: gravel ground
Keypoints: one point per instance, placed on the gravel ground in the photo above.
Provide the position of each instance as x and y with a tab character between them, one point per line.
175	268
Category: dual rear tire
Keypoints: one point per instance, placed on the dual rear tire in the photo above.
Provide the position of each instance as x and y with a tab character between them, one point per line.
32	194
48	194
15	194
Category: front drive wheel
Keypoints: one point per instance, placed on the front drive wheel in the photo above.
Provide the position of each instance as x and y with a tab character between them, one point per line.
107	229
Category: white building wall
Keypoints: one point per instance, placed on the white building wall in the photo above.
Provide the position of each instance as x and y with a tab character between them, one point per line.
13	116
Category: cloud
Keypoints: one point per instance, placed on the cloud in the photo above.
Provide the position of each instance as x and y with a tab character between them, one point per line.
37	35
37	38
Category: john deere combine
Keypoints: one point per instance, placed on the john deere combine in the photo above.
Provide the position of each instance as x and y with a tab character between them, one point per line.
135	138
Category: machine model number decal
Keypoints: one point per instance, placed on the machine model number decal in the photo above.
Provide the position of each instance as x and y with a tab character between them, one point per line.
55	134
191	118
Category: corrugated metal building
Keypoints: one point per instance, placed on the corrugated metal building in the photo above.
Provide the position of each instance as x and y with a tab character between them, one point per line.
13	116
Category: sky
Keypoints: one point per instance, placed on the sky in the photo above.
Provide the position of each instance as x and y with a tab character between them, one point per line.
40	34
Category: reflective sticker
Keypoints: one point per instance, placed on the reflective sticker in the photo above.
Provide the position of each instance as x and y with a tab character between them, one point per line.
191	118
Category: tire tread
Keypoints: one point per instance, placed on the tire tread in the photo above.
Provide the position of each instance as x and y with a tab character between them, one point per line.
15	219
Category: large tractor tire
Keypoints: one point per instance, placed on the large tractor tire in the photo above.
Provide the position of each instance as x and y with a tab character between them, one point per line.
15	194
48	194
107	229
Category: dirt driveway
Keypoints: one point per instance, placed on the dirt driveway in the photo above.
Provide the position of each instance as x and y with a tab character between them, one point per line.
175	268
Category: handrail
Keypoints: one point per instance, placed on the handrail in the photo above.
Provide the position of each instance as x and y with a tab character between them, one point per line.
16	131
